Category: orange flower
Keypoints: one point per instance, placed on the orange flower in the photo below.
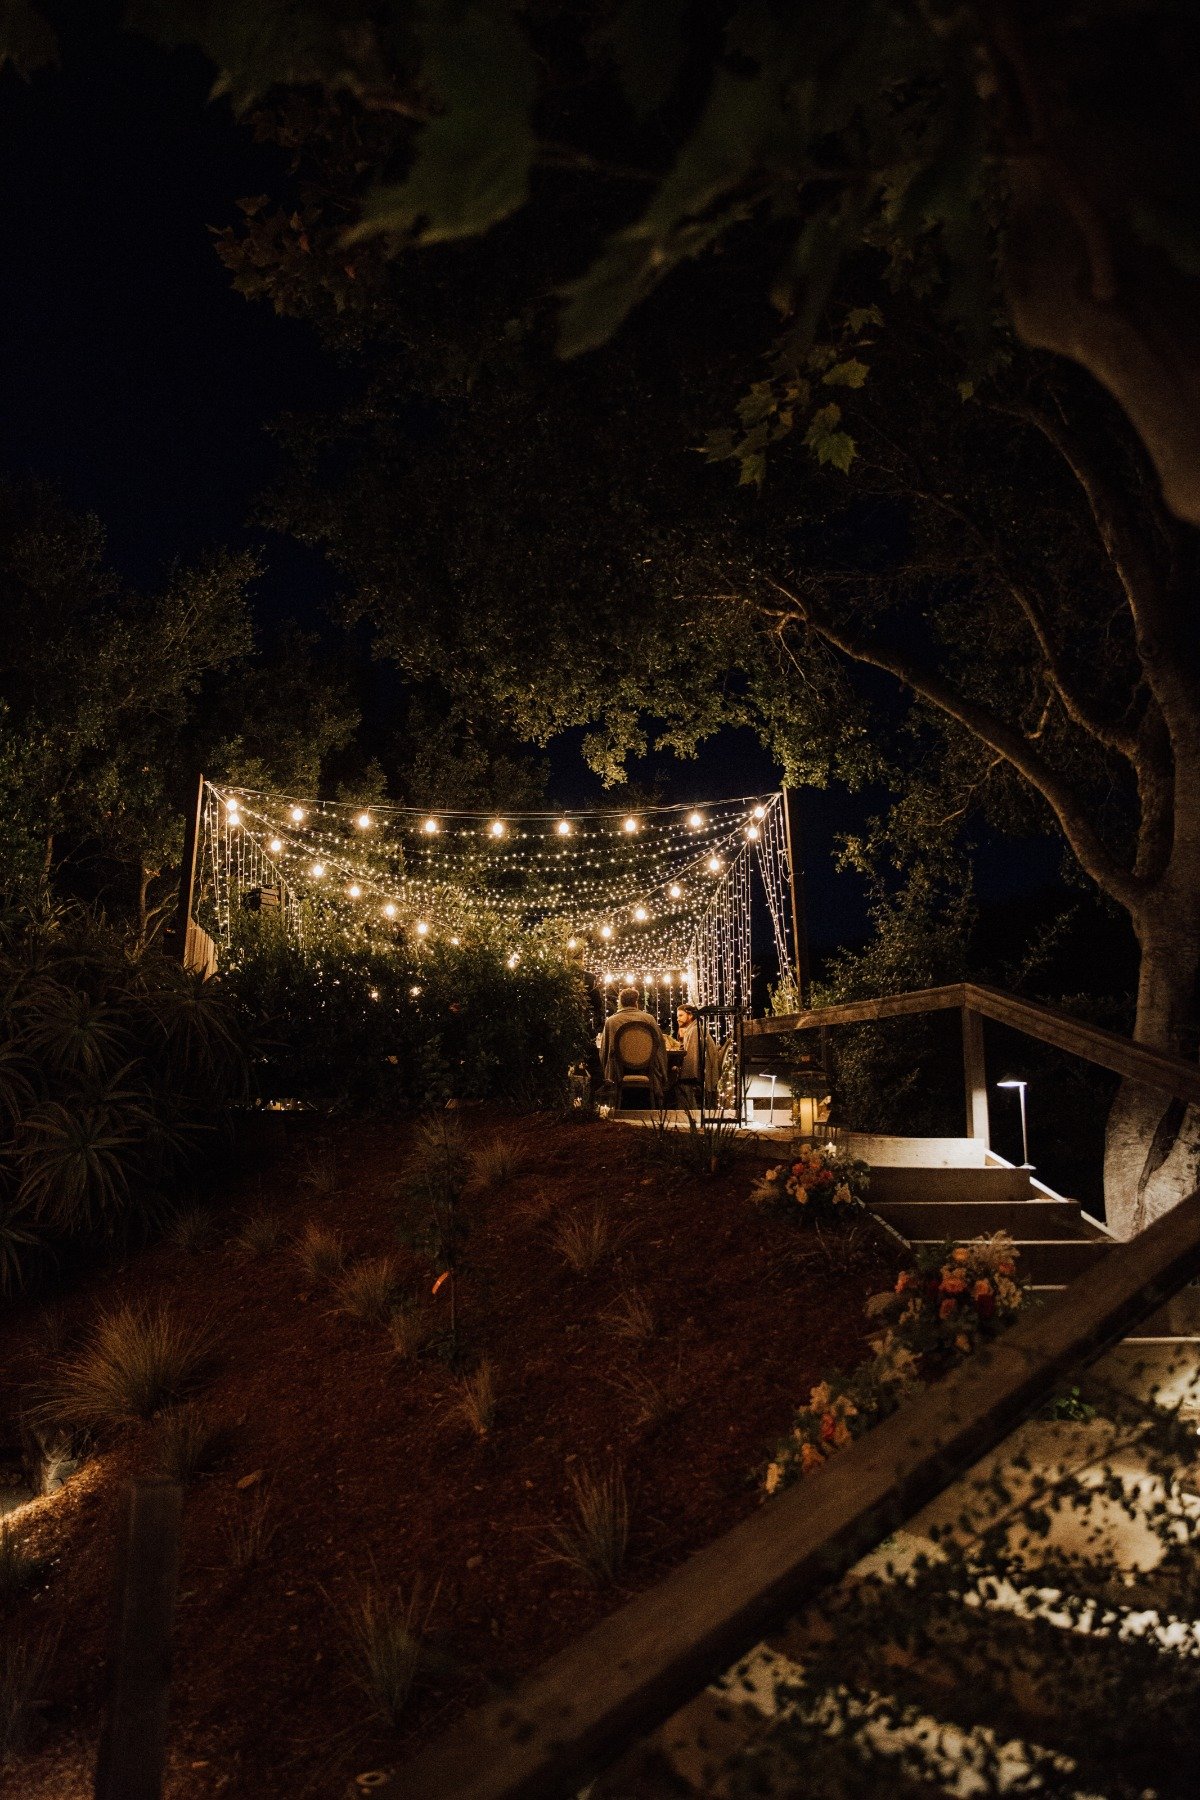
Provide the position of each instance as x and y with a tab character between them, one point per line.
1006	1268
962	1342
981	1288
947	1309
904	1280
810	1458
962	1254
954	1284
829	1425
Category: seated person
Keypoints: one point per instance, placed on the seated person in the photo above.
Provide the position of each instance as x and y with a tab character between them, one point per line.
701	1058
630	1011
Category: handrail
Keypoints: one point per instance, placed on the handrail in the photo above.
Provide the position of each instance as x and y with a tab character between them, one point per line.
637	1667
1050	1024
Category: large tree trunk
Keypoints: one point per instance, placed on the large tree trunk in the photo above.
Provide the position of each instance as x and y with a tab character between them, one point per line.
1152	1147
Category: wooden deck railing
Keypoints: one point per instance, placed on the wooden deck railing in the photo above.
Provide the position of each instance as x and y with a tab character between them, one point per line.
632	1671
975	1003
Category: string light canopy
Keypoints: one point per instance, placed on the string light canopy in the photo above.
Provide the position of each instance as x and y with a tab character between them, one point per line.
660	897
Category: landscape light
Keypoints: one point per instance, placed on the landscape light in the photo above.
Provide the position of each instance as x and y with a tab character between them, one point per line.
563	828
389	909
630	826
1012	1081
297	815
363	821
497	828
275	846
431	827
696	820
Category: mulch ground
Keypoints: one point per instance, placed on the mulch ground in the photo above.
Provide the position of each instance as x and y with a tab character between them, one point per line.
368	1477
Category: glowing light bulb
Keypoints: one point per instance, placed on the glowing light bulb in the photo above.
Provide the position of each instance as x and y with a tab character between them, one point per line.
713	865
630	978
752	833
512	961
630	826
389	909
363	821
608	981
606	932
232	808
675	891
497	828
431	828
696	820
317	871
564	828
572	943
297	815
760	812
354	890
415	992
640	914
374	993
275	846
456	941
422	928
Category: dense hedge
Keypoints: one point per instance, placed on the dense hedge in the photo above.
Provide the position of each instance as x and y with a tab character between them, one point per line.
347	1024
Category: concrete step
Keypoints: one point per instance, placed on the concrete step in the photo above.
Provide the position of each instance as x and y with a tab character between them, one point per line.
899	1183
976	1218
1051	1262
1176	1319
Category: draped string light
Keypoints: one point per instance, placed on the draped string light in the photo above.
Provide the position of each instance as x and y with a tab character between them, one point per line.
659	899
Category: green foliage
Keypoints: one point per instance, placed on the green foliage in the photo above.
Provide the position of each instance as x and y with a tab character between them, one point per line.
814	1182
115	1067
339	1023
137	1360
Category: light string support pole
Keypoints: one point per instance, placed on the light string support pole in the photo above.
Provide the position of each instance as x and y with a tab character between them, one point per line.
796	882
187	872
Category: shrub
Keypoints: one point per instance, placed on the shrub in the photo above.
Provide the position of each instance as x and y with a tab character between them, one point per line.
584	1239
497	1163
476	1400
630	1316
24	1665
320	1253
191	1230
594	1539
189	1443
260	1232
651	1401
410	1328
18	1569
341	1024
367	1290
137	1360
250	1529
320	1176
384	1647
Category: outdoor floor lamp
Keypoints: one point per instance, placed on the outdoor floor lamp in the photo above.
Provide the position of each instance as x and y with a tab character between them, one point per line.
1020	1086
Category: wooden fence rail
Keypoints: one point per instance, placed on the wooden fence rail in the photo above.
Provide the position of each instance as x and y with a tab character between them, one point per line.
641	1664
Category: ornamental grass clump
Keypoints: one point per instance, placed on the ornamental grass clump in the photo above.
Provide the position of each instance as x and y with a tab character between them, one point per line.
584	1239
476	1399
191	1230
594	1540
496	1164
630	1316
24	1666
936	1314
410	1327
384	1648
367	1290
189	1443
137	1360
818	1184
260	1233
320	1253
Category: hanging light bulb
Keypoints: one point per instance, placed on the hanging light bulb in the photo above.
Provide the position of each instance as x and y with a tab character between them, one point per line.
297	815
760	812
608	981
606	932
572	943
696	821
422	928
630	979
675	891
752	833
713	865
640	914
431	828
415	992
389	909
630	826
564	828
456	941
374	993
317	871
363	821
497	828
512	961
233	809
275	846
354	891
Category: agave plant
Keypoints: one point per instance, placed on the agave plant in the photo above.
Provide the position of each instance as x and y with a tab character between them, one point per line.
71	1035
75	1164
19	1242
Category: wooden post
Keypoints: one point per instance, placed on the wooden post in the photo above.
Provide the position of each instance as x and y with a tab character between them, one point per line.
187	873
129	1765
799	938
975	1078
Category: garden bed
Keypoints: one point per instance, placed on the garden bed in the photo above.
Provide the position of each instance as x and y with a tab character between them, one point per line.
366	1474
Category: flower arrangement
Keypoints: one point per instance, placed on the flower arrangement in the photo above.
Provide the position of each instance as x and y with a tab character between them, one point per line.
818	1183
936	1314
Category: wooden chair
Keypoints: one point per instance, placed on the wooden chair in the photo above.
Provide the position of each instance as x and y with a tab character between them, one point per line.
633	1051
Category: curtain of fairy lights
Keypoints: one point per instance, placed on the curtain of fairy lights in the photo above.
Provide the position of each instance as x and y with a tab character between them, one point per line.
659	899
775	870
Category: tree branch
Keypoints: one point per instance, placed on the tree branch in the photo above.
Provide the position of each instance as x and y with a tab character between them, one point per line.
1008	743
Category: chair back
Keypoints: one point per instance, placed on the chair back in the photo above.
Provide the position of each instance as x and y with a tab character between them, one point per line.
633	1046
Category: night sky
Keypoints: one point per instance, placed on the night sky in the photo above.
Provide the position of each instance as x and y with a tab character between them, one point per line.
138	382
